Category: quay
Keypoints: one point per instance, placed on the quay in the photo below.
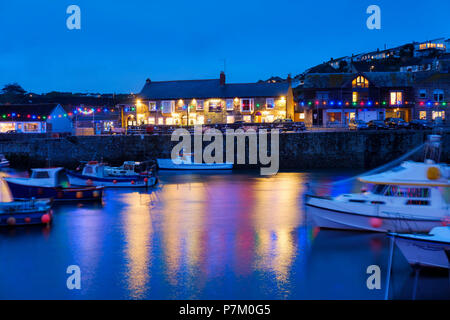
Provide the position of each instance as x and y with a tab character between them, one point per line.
297	150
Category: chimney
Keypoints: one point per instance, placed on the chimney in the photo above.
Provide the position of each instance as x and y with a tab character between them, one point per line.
148	81
222	78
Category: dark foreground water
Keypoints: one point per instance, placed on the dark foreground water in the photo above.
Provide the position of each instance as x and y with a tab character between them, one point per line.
205	236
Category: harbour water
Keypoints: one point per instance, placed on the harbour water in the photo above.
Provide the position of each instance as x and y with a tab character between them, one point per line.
206	236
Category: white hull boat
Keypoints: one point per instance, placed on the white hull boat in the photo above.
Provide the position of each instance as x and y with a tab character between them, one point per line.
184	162
408	198
426	250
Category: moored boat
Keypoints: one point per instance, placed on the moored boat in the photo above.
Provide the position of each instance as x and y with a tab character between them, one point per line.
4	163
426	250
51	183
28	212
408	198
129	175
185	161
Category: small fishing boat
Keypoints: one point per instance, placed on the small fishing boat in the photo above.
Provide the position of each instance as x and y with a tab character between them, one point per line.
184	161
4	163
130	175
27	212
51	183
426	250
408	198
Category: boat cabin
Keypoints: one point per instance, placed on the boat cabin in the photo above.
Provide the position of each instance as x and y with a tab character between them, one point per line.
49	177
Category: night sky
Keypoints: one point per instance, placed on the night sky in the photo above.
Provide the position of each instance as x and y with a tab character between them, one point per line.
121	43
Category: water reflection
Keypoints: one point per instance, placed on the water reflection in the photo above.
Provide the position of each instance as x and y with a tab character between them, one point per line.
202	236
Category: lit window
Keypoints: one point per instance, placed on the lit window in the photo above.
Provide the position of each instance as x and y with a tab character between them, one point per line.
270	102
302	115
152	106
355	97
168	106
151	120
438	114
200	120
247	105
247	118
200	104
422	115
360	82
230	104
230	119
160	120
169	121
396	97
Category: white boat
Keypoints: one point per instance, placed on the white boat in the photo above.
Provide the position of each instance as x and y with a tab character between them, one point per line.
426	250
128	175
3	161
408	198
184	162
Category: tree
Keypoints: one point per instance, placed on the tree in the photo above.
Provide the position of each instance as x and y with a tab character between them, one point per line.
13	89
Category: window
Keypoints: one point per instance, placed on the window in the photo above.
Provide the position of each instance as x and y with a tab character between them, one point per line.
168	106
396	191
230	104
247	118
215	105
160	120
169	121
438	95
41	175
418	202
200	104
360	82
151	106
230	119
270	102
246	105
422	115
355	97
438	114
151	120
396	97
422	93
302	116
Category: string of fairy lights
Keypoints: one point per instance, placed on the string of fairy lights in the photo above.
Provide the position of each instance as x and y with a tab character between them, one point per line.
368	103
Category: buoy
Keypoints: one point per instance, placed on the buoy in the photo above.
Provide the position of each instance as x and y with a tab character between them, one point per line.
11	221
114	181
433	173
446	221
45	218
132	181
145	180
89	182
79	194
27	219
375	222
96	194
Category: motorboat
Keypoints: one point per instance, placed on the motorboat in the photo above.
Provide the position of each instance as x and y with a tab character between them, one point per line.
130	175
27	212
426	250
184	161
408	198
4	163
51	183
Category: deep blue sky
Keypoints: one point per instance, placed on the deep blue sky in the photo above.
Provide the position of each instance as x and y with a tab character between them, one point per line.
121	43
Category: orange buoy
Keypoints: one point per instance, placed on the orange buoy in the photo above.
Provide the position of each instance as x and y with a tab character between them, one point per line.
11	221
96	194
132	181
376	222
79	194
145	180
433	173
89	182
27	219
114	181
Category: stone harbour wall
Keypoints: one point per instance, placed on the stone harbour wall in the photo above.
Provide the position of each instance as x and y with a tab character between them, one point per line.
299	151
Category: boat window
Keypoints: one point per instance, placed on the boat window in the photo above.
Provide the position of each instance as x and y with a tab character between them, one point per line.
418	202
379	189
396	191
41	175
89	170
357	200
377	202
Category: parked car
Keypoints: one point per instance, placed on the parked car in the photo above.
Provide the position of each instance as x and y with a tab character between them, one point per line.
12	131
420	124
377	125
283	124
357	125
396	123
282	120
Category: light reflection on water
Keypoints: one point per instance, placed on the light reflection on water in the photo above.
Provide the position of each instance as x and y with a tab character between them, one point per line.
203	236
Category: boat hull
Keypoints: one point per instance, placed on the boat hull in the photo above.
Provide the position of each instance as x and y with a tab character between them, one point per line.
20	191
336	219
425	253
77	179
24	213
168	164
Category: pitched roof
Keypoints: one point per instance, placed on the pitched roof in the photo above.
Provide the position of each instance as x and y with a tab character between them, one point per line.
38	110
338	80
204	89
